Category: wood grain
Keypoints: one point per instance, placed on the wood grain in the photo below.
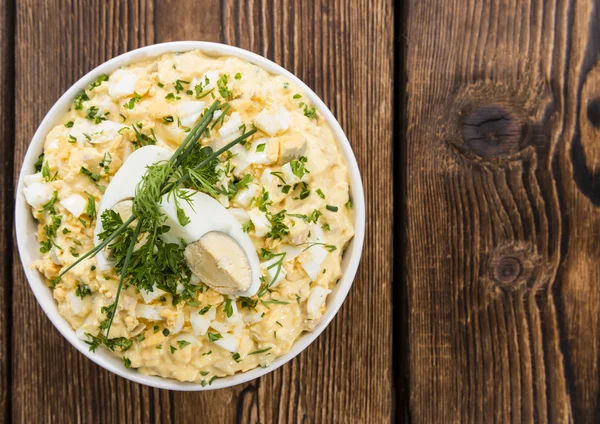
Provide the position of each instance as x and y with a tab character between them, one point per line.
6	205
578	169
502	207
346	374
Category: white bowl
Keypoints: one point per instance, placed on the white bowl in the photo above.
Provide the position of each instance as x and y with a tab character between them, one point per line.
26	227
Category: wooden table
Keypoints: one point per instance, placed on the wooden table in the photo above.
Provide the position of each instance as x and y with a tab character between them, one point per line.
476	125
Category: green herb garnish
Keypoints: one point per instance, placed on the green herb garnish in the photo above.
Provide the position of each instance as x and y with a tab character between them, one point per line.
228	308
298	167
91	206
79	99
222	86
92	175
83	291
98	81
213	337
39	163
205	309
131	103
179	85
182	343
256	352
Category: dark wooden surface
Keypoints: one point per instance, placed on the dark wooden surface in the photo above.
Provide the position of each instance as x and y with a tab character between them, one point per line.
344	51
503	188
476	125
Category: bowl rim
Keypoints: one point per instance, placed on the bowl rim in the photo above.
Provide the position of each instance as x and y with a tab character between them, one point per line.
23	217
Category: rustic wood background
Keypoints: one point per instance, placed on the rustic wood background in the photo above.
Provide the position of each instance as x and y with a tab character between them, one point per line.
476	125
346	374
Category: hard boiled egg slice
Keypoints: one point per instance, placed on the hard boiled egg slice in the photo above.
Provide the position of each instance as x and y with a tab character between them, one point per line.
218	251
122	187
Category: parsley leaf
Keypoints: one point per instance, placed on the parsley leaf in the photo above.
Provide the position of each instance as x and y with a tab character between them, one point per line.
298	167
131	103
310	112
92	115
83	291
178	85
39	163
98	81
228	308
222	86
81	97
213	337
182	343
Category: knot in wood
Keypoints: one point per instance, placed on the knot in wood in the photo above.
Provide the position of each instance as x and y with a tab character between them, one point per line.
506	270
593	112
491	131
511	268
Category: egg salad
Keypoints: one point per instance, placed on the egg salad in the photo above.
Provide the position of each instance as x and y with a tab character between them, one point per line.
193	212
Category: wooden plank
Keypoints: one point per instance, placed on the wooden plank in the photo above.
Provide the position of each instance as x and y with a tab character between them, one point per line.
6	201
577	165
55	45
502	217
346	374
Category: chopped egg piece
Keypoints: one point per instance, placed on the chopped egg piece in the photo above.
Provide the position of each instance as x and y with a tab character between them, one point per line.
312	265
261	224
189	112
231	126
316	299
38	194
227	342
150	296
121	84
200	323
273	123
75	204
